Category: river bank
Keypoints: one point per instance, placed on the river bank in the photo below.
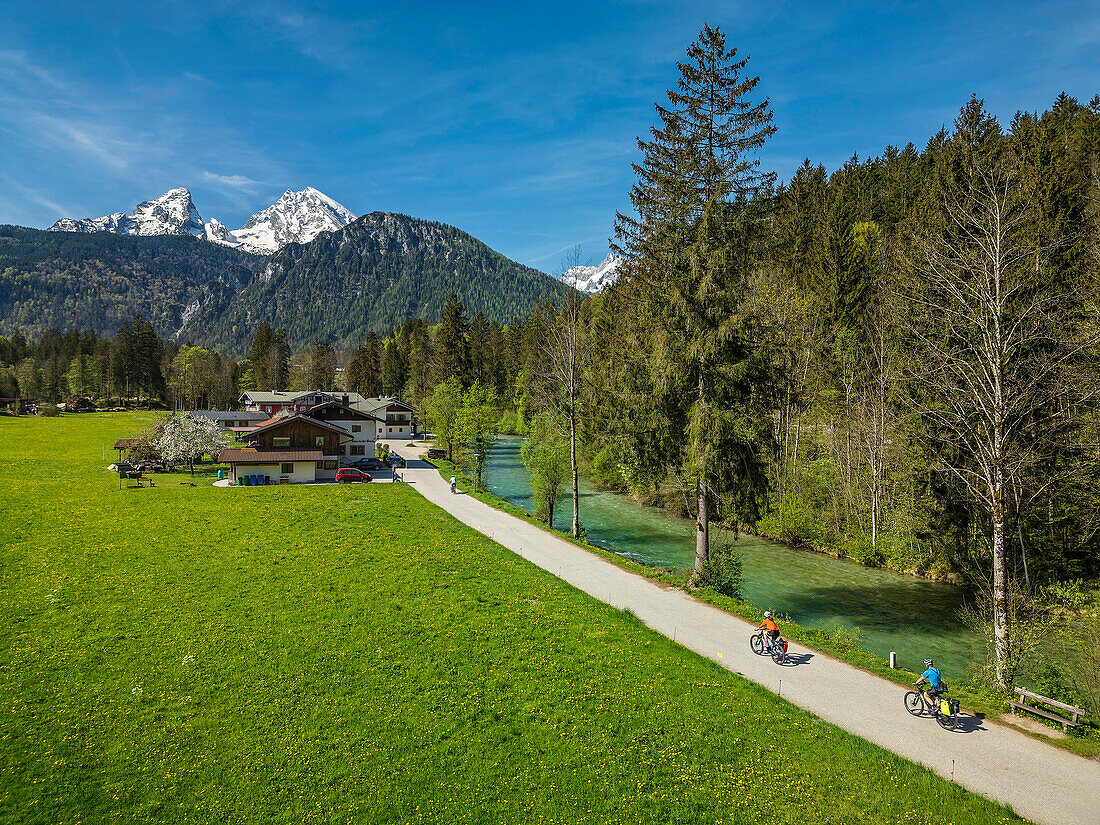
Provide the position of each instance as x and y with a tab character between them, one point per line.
873	608
978	700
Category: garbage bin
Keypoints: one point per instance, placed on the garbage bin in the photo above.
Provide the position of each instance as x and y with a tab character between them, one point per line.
221	474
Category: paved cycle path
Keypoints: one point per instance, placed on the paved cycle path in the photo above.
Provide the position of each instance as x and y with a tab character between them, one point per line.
1042	783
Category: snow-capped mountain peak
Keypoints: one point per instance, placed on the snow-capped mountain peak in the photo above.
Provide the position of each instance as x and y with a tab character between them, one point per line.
173	213
592	279
216	232
297	217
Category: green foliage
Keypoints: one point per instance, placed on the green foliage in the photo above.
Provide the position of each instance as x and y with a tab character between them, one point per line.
474	430
441	413
722	571
607	469
545	454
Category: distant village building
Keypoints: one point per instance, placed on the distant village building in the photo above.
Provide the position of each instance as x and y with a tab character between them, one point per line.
277	401
233	420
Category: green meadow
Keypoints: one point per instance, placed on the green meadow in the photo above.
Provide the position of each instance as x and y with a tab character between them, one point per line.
353	654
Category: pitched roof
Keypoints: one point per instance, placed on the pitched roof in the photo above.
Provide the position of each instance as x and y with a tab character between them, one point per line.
275	423
289	397
276	397
231	415
374	404
312	411
249	455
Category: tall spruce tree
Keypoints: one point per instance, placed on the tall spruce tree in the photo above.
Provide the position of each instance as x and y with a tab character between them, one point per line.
452	347
278	362
687	255
258	357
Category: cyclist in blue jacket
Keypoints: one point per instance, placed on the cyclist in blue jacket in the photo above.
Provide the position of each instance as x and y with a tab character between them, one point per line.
935	683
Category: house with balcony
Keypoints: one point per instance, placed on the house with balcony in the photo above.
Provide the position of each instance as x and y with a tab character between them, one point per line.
396	418
292	449
361	426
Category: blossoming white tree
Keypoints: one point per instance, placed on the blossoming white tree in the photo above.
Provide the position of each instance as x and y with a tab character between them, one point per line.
186	438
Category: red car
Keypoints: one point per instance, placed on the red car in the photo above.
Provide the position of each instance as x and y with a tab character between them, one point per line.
347	475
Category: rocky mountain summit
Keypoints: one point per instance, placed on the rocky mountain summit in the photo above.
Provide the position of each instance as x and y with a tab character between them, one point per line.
173	213
297	217
592	279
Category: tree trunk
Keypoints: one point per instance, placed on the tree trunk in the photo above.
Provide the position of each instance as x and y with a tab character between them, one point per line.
702	530
573	465
1000	593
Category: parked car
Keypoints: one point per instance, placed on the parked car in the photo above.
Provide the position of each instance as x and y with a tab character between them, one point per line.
396	461
368	463
349	474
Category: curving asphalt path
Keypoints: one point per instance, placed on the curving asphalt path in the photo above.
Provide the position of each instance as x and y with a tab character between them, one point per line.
1042	783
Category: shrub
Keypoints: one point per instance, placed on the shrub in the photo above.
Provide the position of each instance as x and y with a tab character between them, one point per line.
606	469
47	410
722	571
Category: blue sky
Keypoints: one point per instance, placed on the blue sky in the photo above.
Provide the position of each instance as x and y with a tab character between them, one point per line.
515	122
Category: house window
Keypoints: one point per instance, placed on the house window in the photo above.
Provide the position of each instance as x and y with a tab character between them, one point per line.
341	450
269	409
357	449
330	464
280	441
355	428
319	441
286	468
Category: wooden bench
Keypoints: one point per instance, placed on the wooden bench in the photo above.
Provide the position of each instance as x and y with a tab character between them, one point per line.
1074	711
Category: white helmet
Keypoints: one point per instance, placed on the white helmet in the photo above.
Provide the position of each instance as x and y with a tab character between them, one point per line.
767	614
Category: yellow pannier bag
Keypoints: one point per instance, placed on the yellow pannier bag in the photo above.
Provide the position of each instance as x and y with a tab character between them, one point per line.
945	707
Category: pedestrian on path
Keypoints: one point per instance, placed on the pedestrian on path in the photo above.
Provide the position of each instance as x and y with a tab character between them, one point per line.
453	485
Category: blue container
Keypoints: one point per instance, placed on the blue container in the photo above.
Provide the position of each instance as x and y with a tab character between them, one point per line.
221	474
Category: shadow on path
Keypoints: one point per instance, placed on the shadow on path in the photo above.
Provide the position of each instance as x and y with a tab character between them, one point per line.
796	659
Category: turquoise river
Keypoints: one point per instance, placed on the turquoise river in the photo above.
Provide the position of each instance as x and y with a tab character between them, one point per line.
890	611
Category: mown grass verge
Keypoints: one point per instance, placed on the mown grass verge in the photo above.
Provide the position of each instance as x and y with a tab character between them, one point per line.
975	699
354	654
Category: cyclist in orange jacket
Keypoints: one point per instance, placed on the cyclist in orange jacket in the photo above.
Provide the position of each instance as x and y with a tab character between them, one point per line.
770	628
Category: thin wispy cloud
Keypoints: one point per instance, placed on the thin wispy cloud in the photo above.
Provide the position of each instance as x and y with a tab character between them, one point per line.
35	196
236	182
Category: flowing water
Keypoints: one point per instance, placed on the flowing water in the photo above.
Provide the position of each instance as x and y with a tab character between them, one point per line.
891	611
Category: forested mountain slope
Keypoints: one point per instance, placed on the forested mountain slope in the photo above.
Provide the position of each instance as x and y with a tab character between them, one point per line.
72	280
376	272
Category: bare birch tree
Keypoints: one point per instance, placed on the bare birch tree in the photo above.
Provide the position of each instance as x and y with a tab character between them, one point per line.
566	355
991	349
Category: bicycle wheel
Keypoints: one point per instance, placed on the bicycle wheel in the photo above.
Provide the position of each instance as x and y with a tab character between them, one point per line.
779	655
756	642
914	704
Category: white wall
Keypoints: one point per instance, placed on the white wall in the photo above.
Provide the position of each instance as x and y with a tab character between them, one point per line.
303	471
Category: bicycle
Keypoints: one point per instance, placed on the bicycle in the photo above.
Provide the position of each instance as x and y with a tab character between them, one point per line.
945	710
778	649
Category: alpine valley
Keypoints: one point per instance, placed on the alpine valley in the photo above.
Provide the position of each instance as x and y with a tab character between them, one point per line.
305	263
